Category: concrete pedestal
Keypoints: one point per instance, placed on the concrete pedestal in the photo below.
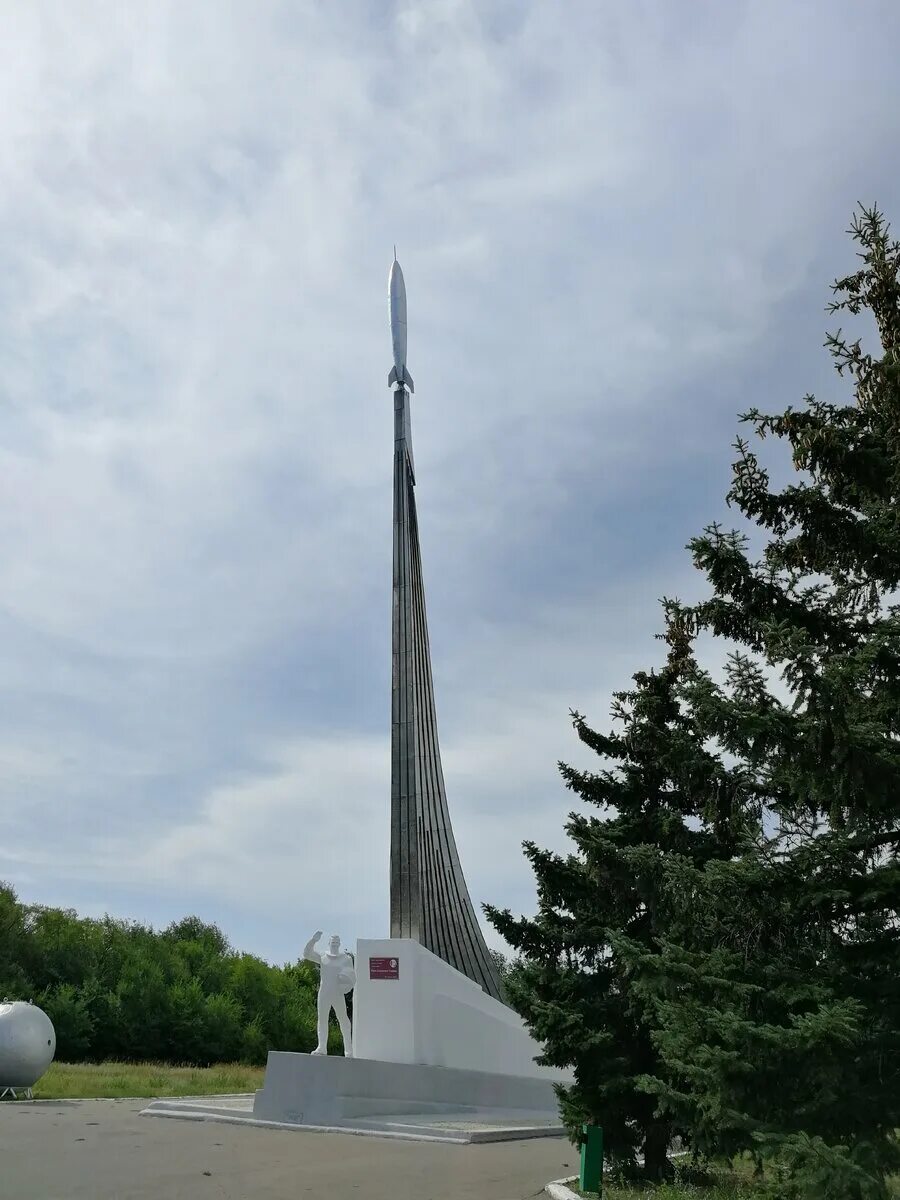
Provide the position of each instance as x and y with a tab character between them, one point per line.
409	1006
307	1089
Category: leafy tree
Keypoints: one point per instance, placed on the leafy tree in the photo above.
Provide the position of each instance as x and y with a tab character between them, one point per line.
68	1010
192	929
775	993
297	1027
14	980
260	988
254	1043
203	1028
202	950
60	948
571	984
224	1028
187	1026
145	1009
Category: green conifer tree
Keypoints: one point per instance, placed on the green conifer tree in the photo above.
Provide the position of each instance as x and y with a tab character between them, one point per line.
569	983
774	993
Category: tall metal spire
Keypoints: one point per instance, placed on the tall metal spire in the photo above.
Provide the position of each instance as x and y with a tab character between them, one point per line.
429	898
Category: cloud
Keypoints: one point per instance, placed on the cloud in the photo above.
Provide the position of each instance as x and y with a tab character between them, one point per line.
617	230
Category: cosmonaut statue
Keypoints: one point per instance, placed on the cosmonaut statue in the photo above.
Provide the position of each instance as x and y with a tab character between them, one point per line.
337	976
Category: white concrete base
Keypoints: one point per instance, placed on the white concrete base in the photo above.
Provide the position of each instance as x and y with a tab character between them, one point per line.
460	1128
415	1099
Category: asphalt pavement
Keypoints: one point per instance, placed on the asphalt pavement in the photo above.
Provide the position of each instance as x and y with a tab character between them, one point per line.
104	1150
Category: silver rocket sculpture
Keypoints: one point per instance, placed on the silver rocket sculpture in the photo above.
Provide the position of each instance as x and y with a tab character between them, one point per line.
397	298
430	900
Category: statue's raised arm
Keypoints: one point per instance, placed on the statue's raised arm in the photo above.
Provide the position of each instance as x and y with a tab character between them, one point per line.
310	953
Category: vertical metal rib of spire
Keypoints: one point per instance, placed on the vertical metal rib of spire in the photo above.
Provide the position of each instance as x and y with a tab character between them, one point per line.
429	898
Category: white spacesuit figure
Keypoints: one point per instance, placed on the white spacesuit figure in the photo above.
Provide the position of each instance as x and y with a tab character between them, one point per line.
336	977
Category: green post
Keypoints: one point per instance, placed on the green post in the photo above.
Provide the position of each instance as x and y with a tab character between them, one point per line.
590	1178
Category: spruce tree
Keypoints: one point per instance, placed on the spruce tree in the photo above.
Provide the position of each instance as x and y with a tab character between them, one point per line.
570	985
774	993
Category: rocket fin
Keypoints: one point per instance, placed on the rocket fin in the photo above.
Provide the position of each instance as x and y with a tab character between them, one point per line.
403	378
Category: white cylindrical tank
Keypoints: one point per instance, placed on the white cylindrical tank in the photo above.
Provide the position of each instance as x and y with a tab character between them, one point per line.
27	1043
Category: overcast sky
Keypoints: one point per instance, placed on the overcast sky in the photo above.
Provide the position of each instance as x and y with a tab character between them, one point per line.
618	224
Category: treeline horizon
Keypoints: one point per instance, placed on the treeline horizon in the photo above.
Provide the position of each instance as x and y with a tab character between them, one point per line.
119	989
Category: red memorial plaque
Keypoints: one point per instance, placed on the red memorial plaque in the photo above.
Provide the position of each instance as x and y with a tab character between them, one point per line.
384	968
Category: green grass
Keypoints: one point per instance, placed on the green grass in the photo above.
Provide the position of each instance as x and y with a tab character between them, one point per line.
734	1182
727	1187
73	1081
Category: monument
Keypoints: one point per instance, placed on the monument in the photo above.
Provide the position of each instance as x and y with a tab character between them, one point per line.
430	902
431	1034
435	1052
